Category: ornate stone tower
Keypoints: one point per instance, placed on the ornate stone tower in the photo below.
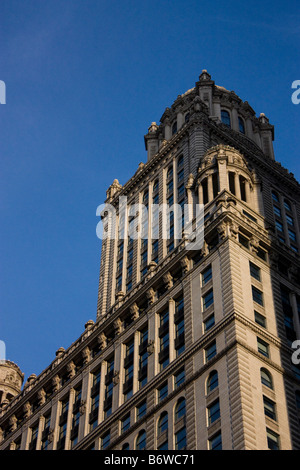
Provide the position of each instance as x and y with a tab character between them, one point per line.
11	380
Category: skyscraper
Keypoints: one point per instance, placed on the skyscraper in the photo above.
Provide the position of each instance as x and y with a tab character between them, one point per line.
192	347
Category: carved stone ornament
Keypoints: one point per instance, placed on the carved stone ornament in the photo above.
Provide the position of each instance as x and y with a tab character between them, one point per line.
51	435
116	377
254	244
82	407
150	347
134	311
60	352
190	181
153	128
168	280
234	230
13	422
41	396
102	341
86	354
151	295
56	383
27	409
71	368
185	264
118	326
222	230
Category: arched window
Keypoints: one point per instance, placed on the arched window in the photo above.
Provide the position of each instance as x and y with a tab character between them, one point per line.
125	446
241	125
225	118
212	381
180	410
162	424
141	440
155	186
174	128
266	378
187	117
180	161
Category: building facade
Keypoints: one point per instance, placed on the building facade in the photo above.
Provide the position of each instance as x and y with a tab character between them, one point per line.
190	348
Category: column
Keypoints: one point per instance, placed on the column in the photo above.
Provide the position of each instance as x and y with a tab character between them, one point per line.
210	188
237	185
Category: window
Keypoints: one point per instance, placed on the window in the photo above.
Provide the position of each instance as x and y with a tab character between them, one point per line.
208	299
141	410
277	211
257	296
279	226
255	271
174	128
298	399
141	441
273	440
289	220
263	347
210	351
275	196
287	205
163	392
209	323
105	440
180	439
241	125
125	423
179	378
162	424
212	381
213	412
180	409
215	443
292	235
266	378
260	319
269	408
125	446
225	118
206	275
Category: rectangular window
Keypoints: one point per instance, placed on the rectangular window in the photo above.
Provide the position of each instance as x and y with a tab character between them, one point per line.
210	351
141	410
277	211
180	439
292	235
279	226
289	220
209	323
273	440
105	441
213	412
208	299
163	392
255	271
257	296
263	347
179	378
125	423
215	443
269	408
206	275
260	319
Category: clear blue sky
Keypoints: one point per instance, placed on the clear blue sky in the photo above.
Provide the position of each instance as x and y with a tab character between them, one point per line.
85	78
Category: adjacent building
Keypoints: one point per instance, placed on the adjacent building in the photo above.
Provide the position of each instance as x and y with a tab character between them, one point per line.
190	348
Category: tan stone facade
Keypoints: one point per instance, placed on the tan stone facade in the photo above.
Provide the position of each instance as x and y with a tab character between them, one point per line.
190	349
